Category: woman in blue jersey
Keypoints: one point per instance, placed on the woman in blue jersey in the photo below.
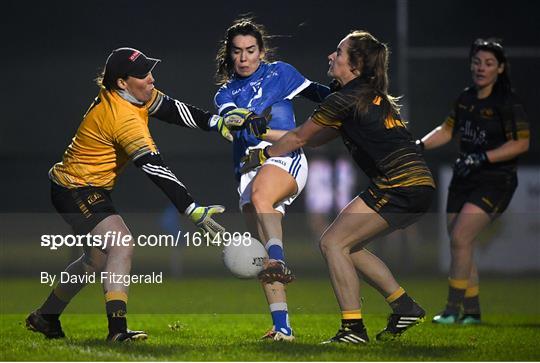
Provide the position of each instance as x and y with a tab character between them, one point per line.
250	83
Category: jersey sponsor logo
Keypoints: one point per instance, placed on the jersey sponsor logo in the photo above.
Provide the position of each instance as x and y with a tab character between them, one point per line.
134	56
487	113
471	134
278	161
258	91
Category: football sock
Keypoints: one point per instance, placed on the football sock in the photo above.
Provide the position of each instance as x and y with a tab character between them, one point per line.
456	294
280	318
116	307
275	249
53	306
352	319
471	302
400	302
62	294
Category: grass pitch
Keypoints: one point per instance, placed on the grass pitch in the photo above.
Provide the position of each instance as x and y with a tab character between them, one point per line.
222	319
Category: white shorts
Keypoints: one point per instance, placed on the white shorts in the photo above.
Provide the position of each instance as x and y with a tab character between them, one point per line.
294	163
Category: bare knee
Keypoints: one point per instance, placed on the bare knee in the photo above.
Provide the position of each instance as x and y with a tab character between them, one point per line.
260	201
124	253
93	264
460	242
329	246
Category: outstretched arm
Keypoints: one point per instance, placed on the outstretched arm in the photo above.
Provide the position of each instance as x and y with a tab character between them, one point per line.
437	137
295	138
172	111
153	165
508	151
316	92
292	140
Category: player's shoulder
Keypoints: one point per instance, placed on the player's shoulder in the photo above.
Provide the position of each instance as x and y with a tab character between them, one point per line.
116	111
224	92
281	66
514	98
342	101
467	96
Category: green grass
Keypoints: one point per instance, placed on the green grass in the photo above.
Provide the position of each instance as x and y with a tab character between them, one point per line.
222	319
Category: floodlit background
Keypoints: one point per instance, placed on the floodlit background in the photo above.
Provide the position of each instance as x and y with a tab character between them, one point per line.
52	51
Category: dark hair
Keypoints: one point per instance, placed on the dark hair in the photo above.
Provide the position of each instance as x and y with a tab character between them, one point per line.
494	46
107	84
370	57
242	26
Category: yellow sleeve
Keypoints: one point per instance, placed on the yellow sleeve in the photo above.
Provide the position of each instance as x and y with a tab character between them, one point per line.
450	120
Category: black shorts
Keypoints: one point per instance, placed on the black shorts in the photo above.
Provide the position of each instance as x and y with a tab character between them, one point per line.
492	196
82	208
399	207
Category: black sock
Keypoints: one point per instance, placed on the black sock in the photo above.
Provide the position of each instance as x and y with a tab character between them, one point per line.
356	325
455	300
402	305
52	307
116	315
471	305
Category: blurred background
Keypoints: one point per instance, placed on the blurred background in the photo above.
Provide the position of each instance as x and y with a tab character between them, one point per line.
54	50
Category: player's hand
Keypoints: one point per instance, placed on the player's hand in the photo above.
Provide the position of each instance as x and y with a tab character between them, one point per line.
467	163
217	123
254	159
241	118
236	118
224	130
258	125
202	218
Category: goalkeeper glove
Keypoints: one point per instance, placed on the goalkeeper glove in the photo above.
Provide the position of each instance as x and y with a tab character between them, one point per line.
254	159
236	118
218	123
467	163
241	118
202	218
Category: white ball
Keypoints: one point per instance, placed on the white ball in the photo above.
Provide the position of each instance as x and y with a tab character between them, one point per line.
244	257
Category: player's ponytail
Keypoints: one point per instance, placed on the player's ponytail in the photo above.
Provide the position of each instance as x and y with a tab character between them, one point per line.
370	57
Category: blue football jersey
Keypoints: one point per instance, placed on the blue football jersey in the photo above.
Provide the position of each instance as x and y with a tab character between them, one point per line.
270	88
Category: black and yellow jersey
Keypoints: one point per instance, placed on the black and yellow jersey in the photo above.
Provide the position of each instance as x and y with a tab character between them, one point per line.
485	124
114	131
381	146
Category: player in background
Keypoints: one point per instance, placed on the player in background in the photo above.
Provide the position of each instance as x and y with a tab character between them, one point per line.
490	124
330	186
401	189
252	85
114	131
